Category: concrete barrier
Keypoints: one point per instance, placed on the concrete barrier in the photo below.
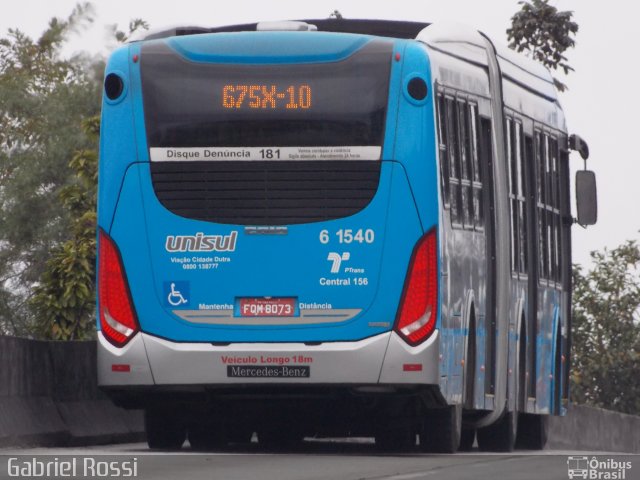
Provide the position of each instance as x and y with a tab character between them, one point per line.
595	429
49	396
31	421
92	422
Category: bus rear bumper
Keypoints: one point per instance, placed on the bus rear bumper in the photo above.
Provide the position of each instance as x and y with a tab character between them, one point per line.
380	360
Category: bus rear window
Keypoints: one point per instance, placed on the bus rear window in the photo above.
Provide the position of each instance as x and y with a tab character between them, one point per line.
192	106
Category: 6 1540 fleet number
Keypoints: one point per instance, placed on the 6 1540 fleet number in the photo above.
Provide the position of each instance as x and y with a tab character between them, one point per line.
349	235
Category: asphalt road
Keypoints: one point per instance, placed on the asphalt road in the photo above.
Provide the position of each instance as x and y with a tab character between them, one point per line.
313	461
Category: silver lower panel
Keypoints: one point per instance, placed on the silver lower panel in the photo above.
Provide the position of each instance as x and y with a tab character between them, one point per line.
383	359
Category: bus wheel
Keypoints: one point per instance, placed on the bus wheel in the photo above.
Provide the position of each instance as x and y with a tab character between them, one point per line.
532	431
500	436
467	439
206	437
274	438
470	366
398	439
239	435
164	430
441	430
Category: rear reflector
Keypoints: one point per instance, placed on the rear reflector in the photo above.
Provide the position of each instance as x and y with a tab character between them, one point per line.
412	367
117	316
121	368
416	318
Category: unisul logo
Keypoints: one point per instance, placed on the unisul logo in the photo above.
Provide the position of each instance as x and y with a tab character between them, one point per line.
202	243
594	468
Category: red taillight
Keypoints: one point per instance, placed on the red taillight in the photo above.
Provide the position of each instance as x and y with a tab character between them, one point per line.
117	315
124	368
418	310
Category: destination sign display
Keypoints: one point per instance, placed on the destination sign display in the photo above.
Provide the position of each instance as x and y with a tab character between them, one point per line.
261	97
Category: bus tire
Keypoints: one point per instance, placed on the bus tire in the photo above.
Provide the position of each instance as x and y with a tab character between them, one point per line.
470	365
274	438
398	439
206	437
467	439
442	430
501	435
239	435
533	431
557	375
164	430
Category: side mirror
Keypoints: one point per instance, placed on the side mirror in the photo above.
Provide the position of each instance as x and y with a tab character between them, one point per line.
577	143
586	197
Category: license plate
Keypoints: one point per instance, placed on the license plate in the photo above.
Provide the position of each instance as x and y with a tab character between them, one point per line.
267	307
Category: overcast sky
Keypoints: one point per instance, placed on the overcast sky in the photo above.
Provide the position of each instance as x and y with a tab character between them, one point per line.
602	104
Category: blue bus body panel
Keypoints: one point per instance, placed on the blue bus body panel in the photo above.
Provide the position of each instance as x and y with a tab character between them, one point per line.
291	265
118	139
415	144
267	47
294	264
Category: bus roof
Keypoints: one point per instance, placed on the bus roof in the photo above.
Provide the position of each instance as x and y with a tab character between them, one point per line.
380	28
455	39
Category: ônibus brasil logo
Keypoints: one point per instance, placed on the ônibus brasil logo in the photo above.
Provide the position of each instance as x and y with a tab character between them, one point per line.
202	243
597	468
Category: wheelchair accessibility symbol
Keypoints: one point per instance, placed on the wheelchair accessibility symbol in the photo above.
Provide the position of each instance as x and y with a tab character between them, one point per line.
176	294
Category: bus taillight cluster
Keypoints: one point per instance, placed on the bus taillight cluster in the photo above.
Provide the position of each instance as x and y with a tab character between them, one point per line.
416	318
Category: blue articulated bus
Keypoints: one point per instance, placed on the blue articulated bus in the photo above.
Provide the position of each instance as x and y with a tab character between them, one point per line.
335	227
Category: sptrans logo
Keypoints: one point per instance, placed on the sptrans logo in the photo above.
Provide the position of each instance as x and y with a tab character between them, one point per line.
597	469
202	243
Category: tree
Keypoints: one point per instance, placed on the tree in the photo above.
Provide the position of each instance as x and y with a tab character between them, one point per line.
544	33
44	97
135	25
48	115
606	330
64	299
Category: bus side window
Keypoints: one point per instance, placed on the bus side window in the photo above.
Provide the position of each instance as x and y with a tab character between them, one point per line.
549	206
521	199
542	149
454	167
485	137
461	132
565	214
511	164
443	152
465	164
517	199
478	217
554	210
529	202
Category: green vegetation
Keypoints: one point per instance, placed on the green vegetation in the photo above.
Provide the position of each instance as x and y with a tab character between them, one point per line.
64	299
606	330
44	98
49	125
542	32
